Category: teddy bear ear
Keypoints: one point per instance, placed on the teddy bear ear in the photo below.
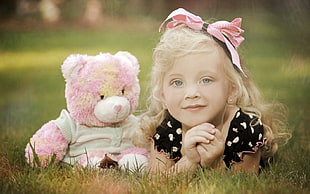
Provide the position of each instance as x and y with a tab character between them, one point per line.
130	59
72	64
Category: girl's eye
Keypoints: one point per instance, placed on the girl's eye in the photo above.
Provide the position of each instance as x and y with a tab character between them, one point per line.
177	83
123	91
101	97
205	80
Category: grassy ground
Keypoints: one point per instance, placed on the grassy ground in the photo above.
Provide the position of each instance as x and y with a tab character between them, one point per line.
32	93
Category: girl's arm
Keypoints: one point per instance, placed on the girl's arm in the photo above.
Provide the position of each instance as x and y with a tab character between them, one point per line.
160	162
211	156
249	164
211	153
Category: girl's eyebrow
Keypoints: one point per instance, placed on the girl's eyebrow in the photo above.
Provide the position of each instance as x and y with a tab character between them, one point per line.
207	72
175	75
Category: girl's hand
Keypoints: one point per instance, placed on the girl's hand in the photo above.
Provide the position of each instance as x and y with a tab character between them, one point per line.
211	152
200	134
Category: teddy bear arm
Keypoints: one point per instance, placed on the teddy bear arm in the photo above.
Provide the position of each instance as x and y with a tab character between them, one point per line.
134	159
46	142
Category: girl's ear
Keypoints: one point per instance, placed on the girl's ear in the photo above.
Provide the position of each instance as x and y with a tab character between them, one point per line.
233	95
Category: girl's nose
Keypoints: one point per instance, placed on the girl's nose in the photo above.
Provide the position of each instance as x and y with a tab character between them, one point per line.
192	92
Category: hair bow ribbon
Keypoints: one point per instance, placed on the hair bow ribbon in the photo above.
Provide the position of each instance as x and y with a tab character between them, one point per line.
227	32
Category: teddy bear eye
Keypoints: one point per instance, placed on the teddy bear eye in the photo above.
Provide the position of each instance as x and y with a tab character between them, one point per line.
101	97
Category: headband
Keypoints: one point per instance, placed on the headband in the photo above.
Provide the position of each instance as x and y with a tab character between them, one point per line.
227	32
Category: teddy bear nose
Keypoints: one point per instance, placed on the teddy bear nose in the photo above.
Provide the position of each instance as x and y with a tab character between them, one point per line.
118	108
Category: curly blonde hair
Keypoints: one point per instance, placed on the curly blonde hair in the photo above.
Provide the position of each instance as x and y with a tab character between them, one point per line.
180	41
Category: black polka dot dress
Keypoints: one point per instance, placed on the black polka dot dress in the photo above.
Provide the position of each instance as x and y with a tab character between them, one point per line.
168	137
245	135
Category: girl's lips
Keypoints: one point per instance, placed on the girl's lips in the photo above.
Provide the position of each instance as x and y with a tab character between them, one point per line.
194	107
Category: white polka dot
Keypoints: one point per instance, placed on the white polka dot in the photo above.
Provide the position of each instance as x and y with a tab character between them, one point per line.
250	144
252	130
170	137
235	130
229	143
251	116
238	114
260	136
243	124
179	131
236	140
169	124
157	136
174	149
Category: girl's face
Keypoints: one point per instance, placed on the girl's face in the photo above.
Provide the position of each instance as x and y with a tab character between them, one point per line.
195	89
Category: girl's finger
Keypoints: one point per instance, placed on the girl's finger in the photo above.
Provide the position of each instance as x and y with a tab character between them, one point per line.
200	133
205	127
196	140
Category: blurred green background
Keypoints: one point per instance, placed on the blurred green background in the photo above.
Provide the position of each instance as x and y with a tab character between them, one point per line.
36	36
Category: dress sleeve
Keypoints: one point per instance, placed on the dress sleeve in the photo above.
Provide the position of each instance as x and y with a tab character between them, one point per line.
245	135
168	138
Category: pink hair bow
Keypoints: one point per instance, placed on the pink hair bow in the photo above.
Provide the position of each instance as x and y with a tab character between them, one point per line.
227	32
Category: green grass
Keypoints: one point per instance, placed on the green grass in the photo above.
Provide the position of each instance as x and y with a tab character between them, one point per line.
32	93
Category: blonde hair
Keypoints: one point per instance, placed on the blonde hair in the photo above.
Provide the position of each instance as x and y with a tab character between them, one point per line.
180	41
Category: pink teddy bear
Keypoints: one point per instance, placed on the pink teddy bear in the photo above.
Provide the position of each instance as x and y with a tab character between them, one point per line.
101	93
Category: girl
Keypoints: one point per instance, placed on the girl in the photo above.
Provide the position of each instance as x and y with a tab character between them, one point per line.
204	110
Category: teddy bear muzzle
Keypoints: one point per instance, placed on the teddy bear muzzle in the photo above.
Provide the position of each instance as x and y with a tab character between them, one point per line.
113	109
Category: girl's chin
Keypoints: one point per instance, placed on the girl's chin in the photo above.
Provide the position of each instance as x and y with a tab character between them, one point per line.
190	125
